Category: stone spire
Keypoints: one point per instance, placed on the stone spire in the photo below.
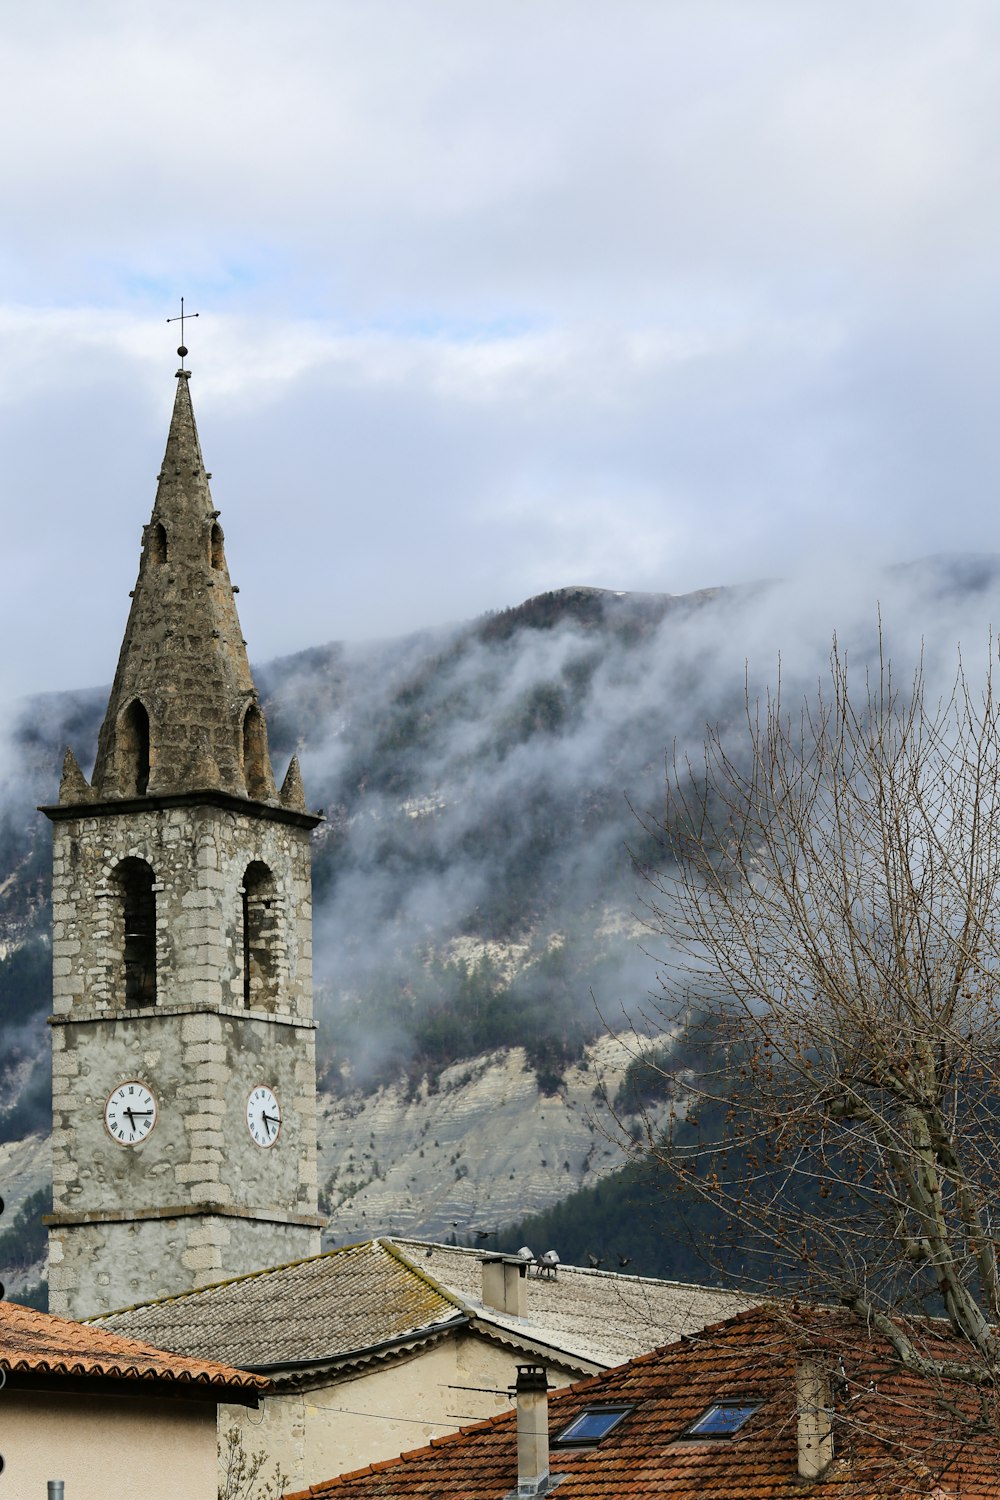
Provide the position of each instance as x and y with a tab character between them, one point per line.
183	714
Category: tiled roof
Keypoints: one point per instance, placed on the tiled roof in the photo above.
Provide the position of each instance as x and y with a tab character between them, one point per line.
312	1310
386	1291
36	1343
600	1316
886	1437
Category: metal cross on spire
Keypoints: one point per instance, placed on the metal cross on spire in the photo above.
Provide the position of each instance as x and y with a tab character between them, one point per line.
182	351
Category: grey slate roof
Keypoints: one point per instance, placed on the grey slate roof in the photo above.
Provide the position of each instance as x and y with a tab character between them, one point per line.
364	1299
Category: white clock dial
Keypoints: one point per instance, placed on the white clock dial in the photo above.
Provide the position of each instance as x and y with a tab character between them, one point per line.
130	1113
263	1115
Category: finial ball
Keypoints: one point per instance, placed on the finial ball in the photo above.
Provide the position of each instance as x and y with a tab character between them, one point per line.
182	351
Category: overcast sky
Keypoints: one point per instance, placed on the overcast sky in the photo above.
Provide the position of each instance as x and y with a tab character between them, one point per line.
495	297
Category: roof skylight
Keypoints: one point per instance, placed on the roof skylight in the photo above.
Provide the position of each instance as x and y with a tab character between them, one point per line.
723	1420
593	1424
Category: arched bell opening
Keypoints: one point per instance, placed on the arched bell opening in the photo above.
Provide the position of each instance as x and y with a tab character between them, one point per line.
136	929
256	762
217	556
133	750
260	935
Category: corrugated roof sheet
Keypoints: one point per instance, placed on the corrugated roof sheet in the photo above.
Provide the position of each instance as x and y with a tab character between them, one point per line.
322	1308
896	1440
38	1343
600	1316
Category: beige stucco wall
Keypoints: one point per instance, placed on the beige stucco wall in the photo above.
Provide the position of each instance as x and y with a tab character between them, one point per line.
380	1413
107	1445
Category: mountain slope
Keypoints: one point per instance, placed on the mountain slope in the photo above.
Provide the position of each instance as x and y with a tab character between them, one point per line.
475	891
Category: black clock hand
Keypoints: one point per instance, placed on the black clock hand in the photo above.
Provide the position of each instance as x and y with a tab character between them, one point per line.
269	1119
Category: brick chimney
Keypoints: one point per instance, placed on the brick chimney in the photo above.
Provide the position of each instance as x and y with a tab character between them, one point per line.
814	1402
532	1391
505	1284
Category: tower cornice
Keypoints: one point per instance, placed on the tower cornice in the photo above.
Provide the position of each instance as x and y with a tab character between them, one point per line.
205	797
182	1211
119	1015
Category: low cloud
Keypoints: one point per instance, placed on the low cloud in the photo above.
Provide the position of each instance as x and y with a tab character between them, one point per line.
492	299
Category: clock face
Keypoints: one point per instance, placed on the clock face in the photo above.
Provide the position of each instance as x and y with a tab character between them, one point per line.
263	1115
130	1113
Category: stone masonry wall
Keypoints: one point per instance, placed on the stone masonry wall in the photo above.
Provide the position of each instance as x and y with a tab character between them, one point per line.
95	1268
123	1226
199	855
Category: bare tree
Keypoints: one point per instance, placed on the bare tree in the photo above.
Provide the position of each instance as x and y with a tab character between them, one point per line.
830	890
241	1474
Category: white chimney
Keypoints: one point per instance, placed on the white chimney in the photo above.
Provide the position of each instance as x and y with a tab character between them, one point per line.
814	1400
505	1284
532	1391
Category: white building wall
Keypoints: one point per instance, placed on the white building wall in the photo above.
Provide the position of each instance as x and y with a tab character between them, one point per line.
105	1446
382	1411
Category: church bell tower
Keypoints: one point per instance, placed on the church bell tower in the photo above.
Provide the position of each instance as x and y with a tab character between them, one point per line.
183	1056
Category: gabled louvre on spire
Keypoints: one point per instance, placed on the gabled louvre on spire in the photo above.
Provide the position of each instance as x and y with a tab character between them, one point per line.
183	714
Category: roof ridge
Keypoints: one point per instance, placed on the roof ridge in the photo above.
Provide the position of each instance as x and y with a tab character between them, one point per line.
694	1286
455	1299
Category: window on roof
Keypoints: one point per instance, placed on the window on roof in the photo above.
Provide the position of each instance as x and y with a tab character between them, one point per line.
723	1420
593	1424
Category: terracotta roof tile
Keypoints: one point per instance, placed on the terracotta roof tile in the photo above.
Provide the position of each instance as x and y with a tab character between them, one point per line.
40	1344
890	1442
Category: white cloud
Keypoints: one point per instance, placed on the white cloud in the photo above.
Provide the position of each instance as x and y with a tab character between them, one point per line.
494	298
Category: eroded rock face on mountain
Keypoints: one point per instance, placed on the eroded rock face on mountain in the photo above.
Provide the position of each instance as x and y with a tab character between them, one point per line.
25	1174
493	793
483	1149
